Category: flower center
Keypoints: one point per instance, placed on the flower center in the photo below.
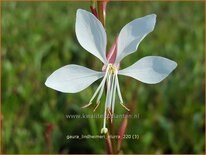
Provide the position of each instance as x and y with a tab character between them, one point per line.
111	81
112	69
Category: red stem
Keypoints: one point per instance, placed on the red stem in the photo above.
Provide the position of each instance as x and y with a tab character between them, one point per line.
109	144
122	131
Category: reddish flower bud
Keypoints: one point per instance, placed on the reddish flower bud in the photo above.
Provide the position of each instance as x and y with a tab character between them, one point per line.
94	11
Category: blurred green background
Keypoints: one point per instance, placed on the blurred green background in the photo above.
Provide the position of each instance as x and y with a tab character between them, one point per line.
39	37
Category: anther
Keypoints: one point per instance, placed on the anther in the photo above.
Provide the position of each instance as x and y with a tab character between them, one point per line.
124	106
96	106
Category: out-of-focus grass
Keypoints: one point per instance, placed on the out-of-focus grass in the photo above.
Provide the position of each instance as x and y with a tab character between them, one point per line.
38	38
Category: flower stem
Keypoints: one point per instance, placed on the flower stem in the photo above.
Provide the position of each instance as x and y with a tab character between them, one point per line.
108	144
122	131
102	7
111	129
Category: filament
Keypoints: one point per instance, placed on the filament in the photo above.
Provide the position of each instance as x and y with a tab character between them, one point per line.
111	92
119	94
97	90
114	95
101	91
108	90
118	90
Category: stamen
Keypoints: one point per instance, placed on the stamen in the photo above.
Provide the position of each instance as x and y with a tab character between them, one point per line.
110	116
119	94
109	112
85	106
124	106
118	90
98	103
114	95
100	95
108	90
101	91
111	92
97	90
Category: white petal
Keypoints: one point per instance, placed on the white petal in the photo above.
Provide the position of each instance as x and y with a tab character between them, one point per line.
132	34
72	78
91	34
150	69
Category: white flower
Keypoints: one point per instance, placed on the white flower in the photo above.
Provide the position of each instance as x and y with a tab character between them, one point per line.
92	37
